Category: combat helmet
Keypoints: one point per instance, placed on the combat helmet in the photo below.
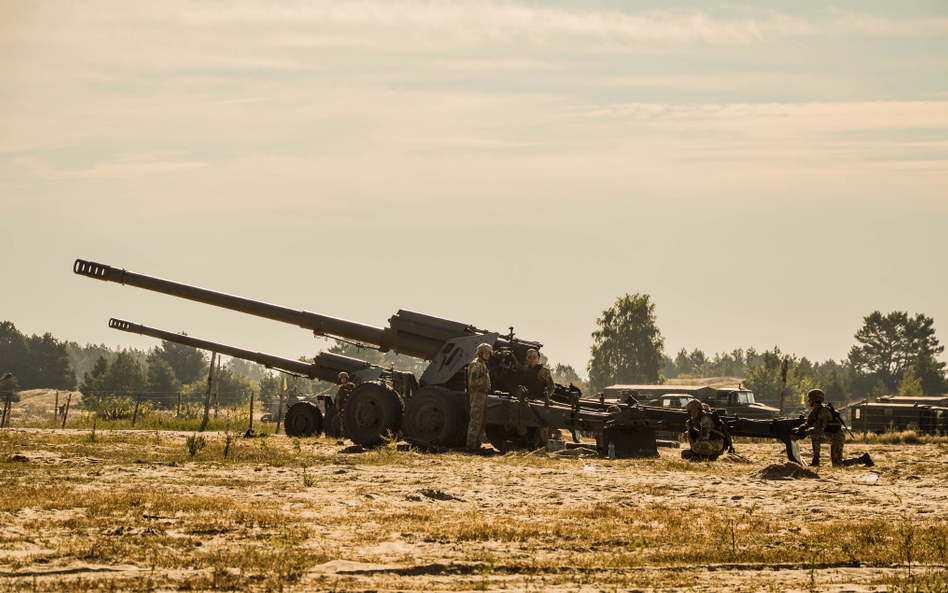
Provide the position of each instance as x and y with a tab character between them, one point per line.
532	353
343	375
485	347
816	395
694	405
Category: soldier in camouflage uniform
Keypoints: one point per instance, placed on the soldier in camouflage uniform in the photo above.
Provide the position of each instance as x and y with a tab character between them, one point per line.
478	384
704	433
345	388
822	426
538	382
533	375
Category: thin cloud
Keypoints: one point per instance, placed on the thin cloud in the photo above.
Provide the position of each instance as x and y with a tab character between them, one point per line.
287	36
138	165
850	22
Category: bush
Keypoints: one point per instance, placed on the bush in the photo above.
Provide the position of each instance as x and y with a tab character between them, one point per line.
120	408
195	443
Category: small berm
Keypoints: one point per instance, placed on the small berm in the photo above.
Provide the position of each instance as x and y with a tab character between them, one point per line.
784	471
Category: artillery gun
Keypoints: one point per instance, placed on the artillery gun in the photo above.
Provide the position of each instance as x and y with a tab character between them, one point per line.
302	418
433	410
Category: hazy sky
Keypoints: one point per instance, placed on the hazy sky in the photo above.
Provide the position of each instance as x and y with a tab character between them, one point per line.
769	173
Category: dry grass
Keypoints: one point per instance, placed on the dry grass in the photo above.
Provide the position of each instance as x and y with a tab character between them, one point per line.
908	437
130	511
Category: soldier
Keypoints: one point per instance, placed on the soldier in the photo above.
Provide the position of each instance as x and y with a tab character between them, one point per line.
538	382
345	388
823	426
478	384
534	376
704	432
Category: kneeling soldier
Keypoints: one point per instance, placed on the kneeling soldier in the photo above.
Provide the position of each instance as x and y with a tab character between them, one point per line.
704	433
824	425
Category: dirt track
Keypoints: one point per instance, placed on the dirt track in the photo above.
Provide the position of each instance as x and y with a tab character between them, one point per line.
126	509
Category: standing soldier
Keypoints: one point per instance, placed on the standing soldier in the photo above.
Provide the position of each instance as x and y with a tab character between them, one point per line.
478	384
704	433
345	388
534	376
824	426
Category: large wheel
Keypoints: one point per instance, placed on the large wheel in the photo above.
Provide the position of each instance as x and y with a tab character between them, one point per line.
303	419
507	438
333	422
372	411
435	416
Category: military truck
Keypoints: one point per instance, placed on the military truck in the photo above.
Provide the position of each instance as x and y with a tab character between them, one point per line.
677	401
735	401
887	414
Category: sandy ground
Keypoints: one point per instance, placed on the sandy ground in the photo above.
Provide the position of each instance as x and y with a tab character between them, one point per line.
345	512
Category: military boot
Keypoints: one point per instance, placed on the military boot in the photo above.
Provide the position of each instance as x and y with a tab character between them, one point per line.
815	462
866	460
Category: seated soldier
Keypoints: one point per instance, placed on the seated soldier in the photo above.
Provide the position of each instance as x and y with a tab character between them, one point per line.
704	433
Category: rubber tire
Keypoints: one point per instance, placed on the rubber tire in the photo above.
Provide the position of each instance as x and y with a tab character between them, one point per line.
435	415
372	412
505	438
303	419
333	423
464	404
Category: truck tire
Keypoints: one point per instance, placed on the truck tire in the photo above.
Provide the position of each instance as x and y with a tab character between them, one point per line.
372	412
435	416
303	419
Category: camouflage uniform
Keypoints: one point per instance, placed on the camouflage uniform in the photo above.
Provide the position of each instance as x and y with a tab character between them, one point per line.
704	435
537	379
478	384
822	427
539	383
341	396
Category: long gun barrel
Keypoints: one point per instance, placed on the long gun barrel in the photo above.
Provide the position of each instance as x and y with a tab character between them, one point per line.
410	333
326	366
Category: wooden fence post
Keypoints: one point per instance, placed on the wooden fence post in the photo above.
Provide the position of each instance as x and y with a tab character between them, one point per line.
251	412
207	398
6	410
66	413
177	414
137	403
217	389
56	409
783	388
279	414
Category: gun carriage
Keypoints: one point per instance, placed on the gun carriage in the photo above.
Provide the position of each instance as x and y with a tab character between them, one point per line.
432	410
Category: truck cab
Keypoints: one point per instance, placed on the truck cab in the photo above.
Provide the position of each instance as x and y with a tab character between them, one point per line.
735	401
741	402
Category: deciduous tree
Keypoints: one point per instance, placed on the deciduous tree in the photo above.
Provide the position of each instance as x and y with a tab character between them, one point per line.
564	374
890	344
627	347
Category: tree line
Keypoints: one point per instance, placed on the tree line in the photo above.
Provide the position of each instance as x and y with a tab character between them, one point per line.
893	354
